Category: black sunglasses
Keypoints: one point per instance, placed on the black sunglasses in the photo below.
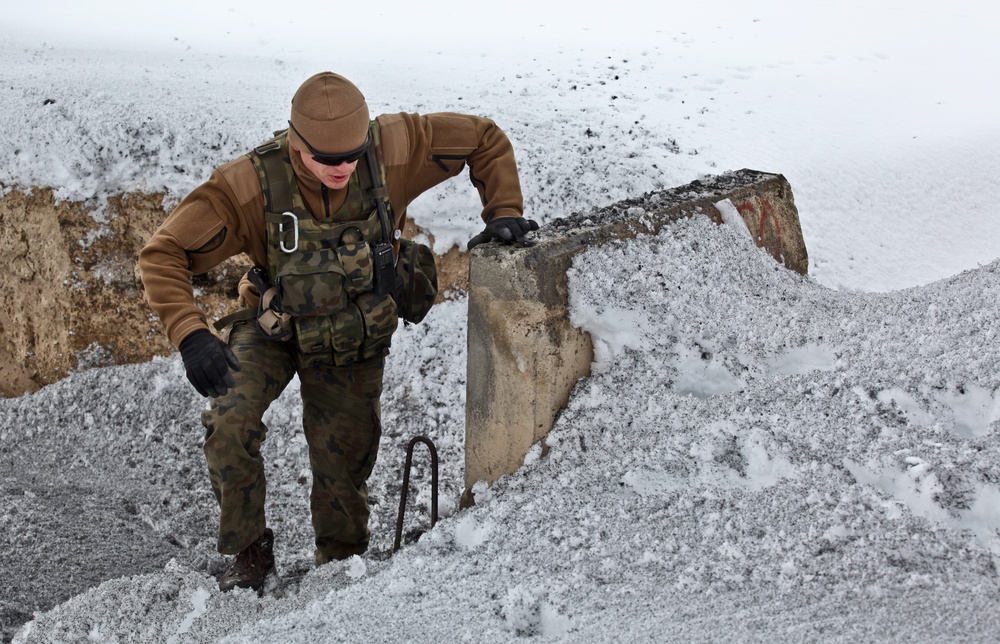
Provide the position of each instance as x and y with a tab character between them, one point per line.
334	159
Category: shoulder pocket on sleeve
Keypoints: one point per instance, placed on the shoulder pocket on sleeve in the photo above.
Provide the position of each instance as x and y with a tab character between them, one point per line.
196	232
452	136
395	139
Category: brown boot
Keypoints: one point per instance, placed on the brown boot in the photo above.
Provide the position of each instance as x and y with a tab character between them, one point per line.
251	565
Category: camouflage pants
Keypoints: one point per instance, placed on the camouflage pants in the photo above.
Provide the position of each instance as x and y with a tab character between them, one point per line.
341	421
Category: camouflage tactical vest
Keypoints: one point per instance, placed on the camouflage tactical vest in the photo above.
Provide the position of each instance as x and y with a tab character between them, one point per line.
323	269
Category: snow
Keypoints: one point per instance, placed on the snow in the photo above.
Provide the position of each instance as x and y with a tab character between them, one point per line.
757	455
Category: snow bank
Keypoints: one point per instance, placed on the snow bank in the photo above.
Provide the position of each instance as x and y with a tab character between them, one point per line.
798	501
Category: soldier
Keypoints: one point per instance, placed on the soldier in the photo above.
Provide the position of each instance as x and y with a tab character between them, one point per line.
318	210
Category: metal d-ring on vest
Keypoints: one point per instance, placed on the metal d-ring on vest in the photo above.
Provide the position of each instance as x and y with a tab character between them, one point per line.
295	233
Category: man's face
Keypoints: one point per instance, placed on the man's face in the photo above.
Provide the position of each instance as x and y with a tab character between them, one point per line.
334	177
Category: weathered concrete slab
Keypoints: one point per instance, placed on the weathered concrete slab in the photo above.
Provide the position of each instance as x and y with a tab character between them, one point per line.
525	355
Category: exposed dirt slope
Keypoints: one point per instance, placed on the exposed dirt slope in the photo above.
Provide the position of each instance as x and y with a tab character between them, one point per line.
72	288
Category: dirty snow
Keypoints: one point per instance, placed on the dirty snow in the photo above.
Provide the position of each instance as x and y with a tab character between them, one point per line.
757	455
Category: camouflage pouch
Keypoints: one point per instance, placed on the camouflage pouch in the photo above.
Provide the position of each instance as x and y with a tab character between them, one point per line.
314	288
380	321
417	284
347	333
313	335
356	259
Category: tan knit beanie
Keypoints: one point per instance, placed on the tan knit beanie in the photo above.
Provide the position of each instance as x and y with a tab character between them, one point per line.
331	114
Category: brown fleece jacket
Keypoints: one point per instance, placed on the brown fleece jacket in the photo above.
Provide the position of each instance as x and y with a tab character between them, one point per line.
225	216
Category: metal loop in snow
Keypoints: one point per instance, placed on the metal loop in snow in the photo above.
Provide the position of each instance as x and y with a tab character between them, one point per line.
406	486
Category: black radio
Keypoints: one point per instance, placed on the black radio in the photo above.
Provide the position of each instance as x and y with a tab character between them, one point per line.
384	268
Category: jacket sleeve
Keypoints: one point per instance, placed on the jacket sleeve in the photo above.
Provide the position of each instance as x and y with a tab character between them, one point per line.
204	230
424	150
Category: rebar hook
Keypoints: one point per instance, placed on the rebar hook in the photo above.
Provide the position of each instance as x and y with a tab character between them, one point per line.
404	492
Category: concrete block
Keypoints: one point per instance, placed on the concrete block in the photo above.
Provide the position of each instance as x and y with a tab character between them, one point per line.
524	354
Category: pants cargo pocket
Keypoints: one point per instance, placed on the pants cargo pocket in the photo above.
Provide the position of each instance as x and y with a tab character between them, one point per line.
368	465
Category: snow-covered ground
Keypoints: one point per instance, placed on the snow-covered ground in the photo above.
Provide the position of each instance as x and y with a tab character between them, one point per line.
758	456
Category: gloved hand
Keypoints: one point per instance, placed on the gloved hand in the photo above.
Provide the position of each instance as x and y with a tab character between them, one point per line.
505	229
208	360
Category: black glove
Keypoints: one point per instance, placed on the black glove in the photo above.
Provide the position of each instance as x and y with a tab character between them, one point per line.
505	229
208	360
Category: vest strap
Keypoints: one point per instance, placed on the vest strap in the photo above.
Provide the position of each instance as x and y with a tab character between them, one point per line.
242	314
278	194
